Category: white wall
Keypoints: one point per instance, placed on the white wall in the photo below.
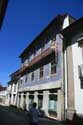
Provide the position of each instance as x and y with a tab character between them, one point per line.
66	22
77	60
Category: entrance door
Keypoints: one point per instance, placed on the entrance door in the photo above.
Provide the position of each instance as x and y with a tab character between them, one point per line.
31	100
24	102
40	101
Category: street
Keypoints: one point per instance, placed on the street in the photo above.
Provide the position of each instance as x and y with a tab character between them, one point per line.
13	116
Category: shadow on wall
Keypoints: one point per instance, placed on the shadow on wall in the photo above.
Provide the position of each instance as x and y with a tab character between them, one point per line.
77	120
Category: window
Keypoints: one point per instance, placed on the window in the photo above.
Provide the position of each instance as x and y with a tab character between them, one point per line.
80	42
13	98
21	81
52	105
53	67
15	88
41	72
81	80
32	76
40	101
42	48
25	78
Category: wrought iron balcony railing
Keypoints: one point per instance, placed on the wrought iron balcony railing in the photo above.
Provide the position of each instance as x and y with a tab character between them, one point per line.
38	58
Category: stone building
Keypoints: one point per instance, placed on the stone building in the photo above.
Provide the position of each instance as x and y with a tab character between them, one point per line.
40	77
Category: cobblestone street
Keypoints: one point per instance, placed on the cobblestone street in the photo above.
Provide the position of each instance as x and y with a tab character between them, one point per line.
13	116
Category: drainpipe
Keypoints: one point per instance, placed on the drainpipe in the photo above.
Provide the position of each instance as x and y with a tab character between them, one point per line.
65	73
63	46
64	81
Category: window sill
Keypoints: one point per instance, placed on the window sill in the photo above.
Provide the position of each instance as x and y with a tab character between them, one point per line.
52	75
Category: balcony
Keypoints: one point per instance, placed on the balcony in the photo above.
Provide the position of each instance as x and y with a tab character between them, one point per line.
38	58
41	56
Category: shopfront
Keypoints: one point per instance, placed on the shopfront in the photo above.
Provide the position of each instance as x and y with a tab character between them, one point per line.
31	99
40	99
52	104
24	106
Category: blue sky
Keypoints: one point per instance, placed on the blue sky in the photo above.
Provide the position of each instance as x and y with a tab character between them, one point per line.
24	20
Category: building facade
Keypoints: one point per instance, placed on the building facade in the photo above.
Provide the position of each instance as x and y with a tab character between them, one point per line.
12	90
40	78
73	68
3	92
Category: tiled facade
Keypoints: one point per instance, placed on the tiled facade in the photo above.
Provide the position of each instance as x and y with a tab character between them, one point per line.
40	77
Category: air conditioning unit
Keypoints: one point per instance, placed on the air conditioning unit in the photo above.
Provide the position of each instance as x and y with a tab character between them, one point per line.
80	71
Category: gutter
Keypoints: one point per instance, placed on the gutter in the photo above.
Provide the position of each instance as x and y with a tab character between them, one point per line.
64	77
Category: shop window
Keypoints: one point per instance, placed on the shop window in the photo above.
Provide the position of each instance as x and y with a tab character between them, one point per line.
53	103
53	67
41	72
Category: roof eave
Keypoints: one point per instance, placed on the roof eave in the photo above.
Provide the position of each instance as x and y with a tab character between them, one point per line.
73	28
55	21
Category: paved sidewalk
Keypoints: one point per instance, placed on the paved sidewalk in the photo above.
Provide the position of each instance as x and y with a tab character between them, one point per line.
14	116
2	104
77	120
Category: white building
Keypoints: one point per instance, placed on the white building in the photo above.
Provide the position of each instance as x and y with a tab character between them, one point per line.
3	94
73	68
12	91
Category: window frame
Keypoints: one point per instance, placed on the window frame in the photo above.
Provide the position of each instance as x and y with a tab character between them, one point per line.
26	79
41	72
32	76
53	71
